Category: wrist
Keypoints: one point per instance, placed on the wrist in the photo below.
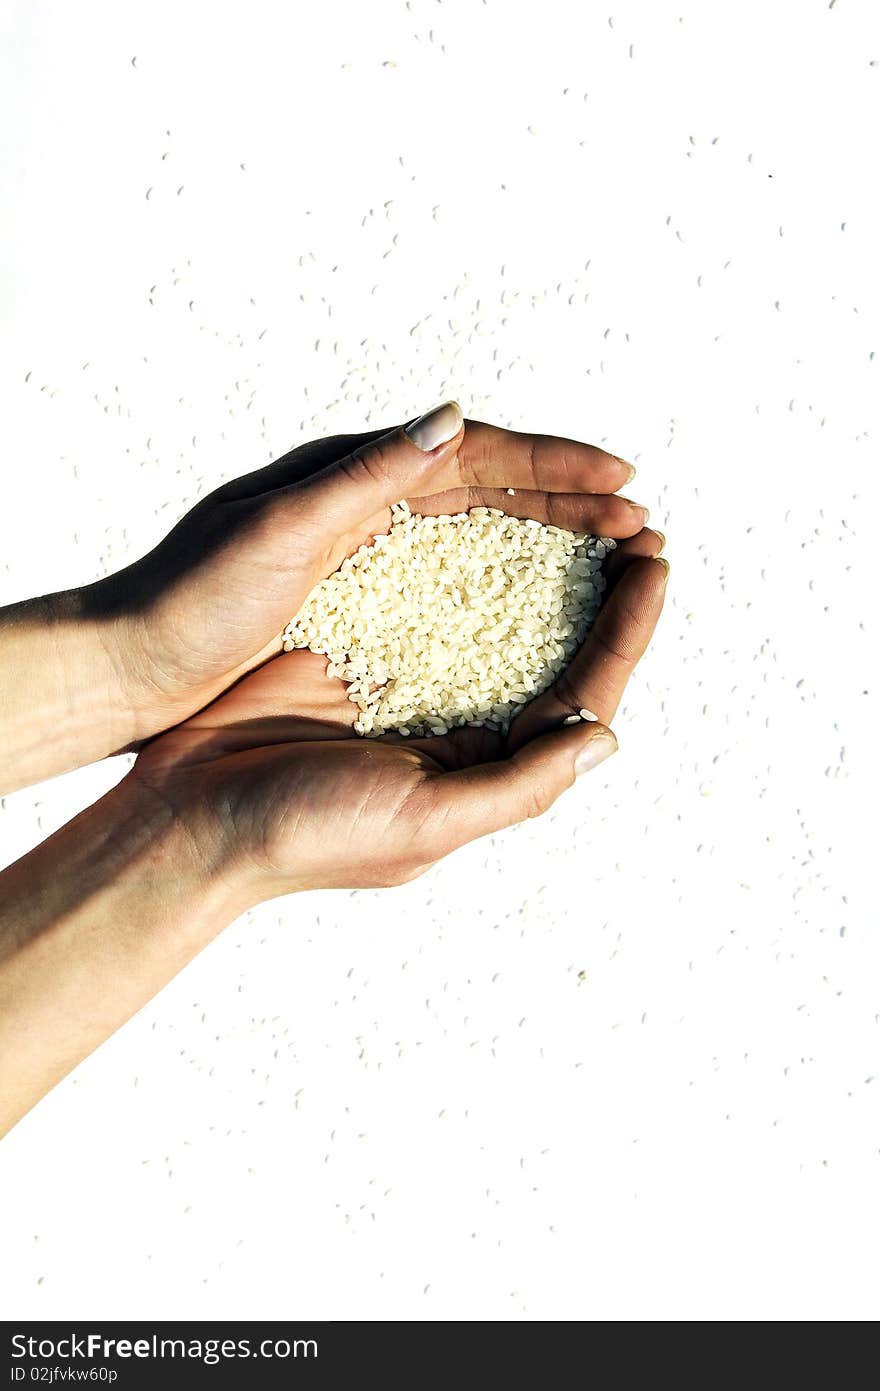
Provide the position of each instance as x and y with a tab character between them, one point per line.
128	862
63	699
192	837
177	843
160	676
111	629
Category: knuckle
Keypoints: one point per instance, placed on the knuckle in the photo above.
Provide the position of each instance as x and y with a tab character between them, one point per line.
614	646
369	463
537	800
566	694
533	463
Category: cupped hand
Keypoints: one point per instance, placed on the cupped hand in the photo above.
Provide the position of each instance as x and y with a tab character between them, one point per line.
210	602
272	774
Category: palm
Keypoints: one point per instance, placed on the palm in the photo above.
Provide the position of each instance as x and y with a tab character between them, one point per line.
279	747
284	771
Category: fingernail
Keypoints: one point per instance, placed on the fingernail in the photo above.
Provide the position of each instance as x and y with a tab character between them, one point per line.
662	536
625	463
435	427
600	747
661	560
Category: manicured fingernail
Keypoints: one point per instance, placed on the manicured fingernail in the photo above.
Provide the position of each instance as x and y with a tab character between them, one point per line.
600	747
435	427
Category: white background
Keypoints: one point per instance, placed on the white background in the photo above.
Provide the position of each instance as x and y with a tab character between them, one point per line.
228	228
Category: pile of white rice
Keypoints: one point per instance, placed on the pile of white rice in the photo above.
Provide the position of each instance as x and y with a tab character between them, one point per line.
451	621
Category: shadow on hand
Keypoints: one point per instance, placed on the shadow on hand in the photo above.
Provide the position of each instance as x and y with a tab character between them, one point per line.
210	524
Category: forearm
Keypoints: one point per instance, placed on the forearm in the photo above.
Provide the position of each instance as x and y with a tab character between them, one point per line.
63	689
92	924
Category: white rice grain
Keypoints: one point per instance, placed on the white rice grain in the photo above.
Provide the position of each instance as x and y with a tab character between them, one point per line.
447	621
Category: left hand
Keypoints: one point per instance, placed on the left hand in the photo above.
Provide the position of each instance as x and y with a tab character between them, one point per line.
210	602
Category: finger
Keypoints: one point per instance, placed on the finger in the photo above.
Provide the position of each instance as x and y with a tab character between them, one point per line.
475	801
492	457
596	677
419	457
646	544
600	514
489	456
460	748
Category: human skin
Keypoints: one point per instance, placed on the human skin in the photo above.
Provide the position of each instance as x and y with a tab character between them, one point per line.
94	671
266	792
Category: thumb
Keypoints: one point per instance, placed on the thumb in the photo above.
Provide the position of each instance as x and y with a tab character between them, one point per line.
489	796
415	460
